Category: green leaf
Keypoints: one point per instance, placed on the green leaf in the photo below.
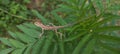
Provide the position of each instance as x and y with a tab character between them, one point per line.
107	18
16	43
83	4
114	7
55	49
59	19
19	51
70	2
109	38
99	4
109	48
90	47
31	32
5	2
6	41
28	48
92	6
81	44
30	25
75	37
40	16
66	7
107	28
48	42
74	28
6	51
27	1
36	49
25	38
12	34
61	46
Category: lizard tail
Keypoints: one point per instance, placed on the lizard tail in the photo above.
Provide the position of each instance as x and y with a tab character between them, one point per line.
69	25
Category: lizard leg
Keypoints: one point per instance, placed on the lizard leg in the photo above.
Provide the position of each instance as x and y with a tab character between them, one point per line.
41	33
58	33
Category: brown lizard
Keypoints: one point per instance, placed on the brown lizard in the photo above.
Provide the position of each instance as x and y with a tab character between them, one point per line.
45	27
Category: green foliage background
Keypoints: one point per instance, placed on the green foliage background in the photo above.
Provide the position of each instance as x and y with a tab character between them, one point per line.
12	13
94	32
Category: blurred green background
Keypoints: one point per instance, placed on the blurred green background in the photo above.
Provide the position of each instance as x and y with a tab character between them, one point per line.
17	12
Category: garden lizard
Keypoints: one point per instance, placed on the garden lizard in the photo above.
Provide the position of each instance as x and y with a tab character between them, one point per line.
45	27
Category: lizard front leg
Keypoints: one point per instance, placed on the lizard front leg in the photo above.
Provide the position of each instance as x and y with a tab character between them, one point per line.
41	33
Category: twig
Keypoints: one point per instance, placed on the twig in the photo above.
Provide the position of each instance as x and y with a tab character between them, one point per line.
13	14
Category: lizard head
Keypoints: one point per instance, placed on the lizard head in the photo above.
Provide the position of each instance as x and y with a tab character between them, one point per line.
38	23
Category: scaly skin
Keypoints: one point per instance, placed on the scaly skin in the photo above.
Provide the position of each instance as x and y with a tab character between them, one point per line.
41	25
45	27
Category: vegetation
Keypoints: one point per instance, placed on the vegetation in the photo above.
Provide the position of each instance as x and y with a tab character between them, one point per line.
94	32
12	13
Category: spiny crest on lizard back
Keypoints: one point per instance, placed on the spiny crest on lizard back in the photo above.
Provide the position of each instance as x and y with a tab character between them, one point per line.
37	20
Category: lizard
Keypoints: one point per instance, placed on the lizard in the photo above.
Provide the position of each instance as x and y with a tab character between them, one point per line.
45	27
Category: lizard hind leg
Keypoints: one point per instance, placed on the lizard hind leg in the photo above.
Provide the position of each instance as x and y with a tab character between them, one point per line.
58	33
